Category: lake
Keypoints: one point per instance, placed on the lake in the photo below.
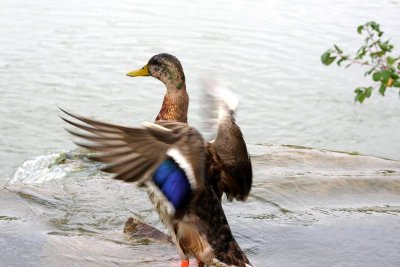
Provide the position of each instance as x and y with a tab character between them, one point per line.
303	211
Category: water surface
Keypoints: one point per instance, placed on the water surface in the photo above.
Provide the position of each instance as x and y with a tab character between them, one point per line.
307	208
74	54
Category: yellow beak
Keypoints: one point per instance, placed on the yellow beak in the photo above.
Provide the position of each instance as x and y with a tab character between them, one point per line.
140	72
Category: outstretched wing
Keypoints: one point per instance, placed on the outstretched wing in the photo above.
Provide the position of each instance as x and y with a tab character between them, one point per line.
229	163
134	154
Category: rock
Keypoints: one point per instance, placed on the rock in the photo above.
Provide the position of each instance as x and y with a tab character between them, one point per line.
144	233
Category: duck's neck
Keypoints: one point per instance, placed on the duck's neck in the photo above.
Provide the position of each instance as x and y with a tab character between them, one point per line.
175	105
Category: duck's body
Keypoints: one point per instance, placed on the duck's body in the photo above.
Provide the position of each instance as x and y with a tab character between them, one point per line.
229	166
185	176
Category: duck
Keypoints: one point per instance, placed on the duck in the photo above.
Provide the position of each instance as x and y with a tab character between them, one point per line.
184	175
228	164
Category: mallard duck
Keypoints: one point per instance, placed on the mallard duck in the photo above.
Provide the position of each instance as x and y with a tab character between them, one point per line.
185	176
227	158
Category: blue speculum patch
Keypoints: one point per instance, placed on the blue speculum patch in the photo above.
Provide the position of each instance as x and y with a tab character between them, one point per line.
172	181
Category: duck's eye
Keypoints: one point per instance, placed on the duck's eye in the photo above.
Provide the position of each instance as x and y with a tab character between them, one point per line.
156	65
156	61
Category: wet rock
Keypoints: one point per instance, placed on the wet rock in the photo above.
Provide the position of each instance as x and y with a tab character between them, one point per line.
144	233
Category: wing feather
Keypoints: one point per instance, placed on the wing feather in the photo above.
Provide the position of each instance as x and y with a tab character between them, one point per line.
136	172
131	153
89	128
111	157
229	161
105	127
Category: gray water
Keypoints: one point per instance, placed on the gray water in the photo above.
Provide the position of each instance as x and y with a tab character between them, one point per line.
75	54
308	207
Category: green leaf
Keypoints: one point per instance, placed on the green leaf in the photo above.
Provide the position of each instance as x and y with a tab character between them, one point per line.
396	84
343	58
386	75
361	52
385	46
326	57
360	28
377	54
375	26
368	91
361	94
390	60
394	75
338	49
377	76
360	97
382	89
357	97
358	90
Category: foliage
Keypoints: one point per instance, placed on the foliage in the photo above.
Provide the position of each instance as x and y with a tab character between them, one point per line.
375	53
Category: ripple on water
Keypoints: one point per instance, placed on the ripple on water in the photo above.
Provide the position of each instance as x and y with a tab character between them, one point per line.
308	207
300	196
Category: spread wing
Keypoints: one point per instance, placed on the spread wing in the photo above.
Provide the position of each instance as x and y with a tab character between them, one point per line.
135	154
229	164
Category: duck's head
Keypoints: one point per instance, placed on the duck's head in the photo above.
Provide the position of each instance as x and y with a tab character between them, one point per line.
164	67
